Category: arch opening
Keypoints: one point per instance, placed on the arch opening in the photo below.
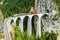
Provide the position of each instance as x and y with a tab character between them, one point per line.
12	21
18	21
25	21
44	19
34	24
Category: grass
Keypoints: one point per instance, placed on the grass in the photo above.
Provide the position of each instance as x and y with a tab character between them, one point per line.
45	36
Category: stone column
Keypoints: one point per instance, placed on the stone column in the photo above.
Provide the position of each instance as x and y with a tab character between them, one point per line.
21	25
29	27
38	32
14	23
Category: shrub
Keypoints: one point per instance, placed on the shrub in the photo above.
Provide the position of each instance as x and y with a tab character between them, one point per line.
24	36
49	36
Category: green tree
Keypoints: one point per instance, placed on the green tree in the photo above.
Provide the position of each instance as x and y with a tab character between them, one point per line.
10	7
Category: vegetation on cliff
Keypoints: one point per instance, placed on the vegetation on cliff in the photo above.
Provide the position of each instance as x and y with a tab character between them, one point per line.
57	3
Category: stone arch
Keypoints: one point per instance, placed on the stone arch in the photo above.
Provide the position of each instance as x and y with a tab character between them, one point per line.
34	23
25	23
12	21
18	20
45	15
43	22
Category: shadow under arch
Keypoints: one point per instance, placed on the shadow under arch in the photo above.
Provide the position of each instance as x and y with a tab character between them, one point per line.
25	23
12	21
34	24
18	21
44	17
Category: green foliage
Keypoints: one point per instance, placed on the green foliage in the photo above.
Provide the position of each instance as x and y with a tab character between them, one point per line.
49	36
24	36
11	7
57	3
18	34
17	21
25	21
56	17
0	0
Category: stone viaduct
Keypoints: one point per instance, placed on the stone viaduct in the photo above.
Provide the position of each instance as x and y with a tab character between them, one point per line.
7	22
45	8
12	20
